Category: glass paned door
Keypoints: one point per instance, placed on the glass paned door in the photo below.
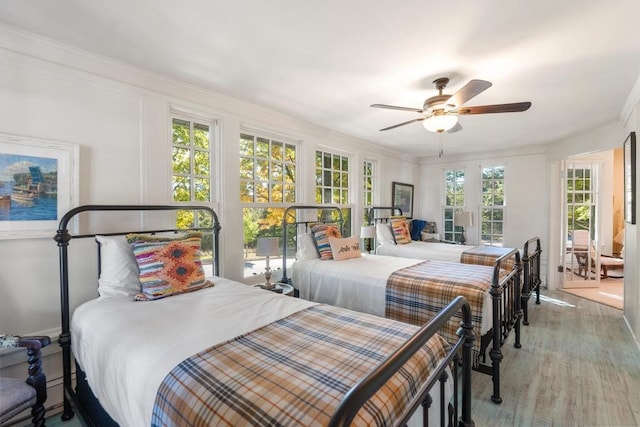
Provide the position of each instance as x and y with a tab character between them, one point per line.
581	254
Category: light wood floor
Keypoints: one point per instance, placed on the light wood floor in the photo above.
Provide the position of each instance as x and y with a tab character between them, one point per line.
610	292
578	366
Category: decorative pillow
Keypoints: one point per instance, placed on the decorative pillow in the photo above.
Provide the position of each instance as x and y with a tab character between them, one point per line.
345	248
321	234
118	268
306	247
430	227
400	231
429	237
384	235
168	266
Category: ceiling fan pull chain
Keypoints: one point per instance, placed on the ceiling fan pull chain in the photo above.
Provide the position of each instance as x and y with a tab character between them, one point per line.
441	152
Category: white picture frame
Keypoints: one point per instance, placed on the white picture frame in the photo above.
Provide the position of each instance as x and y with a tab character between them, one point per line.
38	185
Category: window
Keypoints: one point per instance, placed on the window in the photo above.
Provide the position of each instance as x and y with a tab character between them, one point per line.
191	177
453	201
332	178
191	160
267	170
332	183
267	186
367	177
492	210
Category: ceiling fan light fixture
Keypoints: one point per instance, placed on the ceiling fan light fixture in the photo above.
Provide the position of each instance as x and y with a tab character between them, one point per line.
440	122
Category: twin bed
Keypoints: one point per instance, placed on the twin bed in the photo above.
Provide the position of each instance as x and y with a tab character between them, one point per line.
407	289
221	352
468	254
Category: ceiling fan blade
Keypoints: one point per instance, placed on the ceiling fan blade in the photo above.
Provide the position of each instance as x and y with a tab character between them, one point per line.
404	123
497	108
471	89
393	107
456	128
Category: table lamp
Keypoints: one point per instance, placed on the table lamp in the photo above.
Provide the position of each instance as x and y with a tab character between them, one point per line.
463	219
267	247
368	232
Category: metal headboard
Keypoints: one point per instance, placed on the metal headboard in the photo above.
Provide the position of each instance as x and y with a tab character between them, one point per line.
297	216
373	219
63	237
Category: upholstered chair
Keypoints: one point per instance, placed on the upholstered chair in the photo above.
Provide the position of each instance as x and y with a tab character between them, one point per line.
18	395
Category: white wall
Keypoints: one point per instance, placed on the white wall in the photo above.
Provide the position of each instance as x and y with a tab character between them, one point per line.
632	231
525	192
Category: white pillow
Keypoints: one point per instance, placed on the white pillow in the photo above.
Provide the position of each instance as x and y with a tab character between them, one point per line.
384	235
306	247
345	248
119	274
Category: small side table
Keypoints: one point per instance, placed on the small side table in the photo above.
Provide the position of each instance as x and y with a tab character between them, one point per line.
281	288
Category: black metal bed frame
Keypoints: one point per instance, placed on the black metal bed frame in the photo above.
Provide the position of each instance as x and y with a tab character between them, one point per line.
505	293
458	357
63	238
531	279
373	219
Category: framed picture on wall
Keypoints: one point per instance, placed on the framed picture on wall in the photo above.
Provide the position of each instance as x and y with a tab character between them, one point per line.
630	178
38	184
402	196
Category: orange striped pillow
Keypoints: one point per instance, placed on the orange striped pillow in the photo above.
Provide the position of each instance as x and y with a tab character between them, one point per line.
400	231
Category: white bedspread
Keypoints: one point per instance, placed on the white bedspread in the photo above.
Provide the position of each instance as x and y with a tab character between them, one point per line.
358	284
425	250
106	330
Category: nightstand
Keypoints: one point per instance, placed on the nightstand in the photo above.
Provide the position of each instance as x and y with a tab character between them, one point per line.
281	288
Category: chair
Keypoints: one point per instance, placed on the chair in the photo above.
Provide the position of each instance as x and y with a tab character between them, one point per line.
582	253
18	395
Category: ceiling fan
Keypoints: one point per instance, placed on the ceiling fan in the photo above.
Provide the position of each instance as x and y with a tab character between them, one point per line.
440	113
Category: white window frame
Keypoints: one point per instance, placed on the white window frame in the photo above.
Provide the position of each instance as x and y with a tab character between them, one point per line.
368	202
258	268
449	210
489	236
212	176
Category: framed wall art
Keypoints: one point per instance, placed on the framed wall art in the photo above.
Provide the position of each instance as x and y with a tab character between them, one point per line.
402	196
38	184
630	178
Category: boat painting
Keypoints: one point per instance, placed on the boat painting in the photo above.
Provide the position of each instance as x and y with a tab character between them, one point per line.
29	192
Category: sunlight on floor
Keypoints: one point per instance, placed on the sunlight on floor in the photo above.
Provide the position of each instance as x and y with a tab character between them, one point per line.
555	301
608	295
610	292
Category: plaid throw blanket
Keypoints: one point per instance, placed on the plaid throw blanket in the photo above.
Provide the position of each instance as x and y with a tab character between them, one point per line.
487	255
415	294
294	372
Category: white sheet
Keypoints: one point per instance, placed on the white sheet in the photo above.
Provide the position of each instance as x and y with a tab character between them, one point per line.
425	250
126	386
357	284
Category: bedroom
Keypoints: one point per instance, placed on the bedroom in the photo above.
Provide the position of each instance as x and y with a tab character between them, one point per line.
119	115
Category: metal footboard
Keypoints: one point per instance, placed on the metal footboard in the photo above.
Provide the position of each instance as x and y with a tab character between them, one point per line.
532	281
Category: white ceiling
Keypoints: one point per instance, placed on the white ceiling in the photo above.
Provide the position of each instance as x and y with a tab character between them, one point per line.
327	61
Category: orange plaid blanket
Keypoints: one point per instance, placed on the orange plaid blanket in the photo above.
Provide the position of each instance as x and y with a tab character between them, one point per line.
295	372
487	255
415	294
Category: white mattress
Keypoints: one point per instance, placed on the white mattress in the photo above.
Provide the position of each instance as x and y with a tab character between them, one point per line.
425	250
104	332
357	284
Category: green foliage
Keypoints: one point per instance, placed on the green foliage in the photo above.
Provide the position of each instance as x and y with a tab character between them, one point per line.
191	161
